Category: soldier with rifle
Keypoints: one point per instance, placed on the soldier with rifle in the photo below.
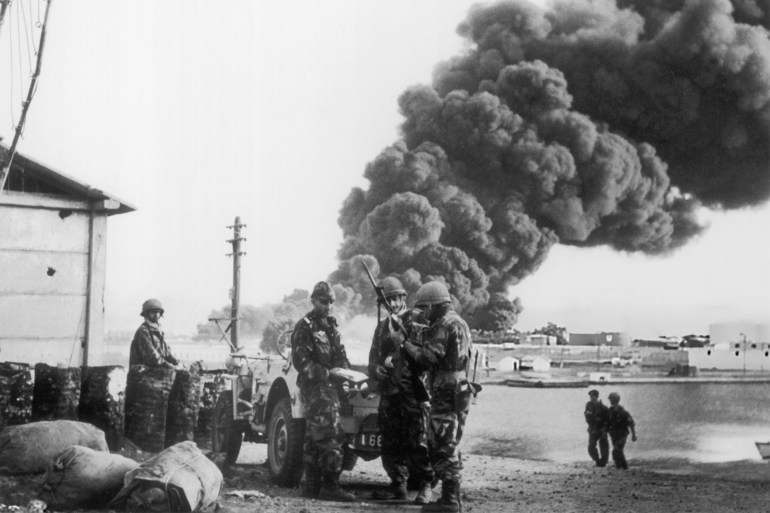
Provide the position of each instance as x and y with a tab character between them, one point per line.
446	350
404	401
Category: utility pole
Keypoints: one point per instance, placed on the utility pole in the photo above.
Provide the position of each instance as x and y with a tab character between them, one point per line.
235	293
30	93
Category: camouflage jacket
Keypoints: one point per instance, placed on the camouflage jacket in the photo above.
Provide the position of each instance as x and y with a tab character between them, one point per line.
447	348
315	349
387	342
149	348
596	415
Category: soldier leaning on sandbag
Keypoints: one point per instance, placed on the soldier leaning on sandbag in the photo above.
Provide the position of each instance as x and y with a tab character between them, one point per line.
316	349
149	345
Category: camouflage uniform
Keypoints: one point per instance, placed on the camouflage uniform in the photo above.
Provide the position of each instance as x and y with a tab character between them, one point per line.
316	349
446	351
149	348
596	417
619	421
403	410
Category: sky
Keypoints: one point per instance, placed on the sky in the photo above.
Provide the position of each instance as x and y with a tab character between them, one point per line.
198	112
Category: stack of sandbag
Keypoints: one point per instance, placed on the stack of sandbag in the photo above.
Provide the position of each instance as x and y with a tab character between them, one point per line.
103	401
147	391
15	394
29	448
57	393
183	406
180	478
83	477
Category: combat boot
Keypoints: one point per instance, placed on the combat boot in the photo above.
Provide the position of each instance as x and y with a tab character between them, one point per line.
312	481
449	500
424	494
396	491
331	491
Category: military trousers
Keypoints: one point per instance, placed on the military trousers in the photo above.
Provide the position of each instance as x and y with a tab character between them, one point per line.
324	435
618	446
404	426
449	409
598	437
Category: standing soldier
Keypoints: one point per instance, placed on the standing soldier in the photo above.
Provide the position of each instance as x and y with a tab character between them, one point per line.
149	345
619	422
446	351
596	418
316	349
404	402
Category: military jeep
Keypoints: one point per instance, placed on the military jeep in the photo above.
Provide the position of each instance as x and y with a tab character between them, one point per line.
262	404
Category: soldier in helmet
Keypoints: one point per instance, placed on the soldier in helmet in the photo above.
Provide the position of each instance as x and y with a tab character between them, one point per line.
149	345
404	402
446	351
619	423
316	349
596	417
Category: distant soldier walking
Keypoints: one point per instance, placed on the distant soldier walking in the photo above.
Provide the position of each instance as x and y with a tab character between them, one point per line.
596	417
404	402
619	423
149	345
316	349
446	351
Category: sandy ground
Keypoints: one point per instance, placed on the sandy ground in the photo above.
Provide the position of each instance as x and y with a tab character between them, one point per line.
497	485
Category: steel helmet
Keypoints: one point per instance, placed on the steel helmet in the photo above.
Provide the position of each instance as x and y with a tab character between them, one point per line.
323	290
614	397
432	293
152	304
392	287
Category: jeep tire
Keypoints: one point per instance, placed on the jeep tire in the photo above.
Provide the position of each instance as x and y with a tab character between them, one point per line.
285	440
226	432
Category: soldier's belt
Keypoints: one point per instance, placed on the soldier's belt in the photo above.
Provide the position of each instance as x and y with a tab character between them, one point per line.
457	375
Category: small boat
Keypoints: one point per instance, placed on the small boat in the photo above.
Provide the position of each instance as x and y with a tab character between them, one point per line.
764	449
547	383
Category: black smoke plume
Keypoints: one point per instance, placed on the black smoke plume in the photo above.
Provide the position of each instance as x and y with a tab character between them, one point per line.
590	123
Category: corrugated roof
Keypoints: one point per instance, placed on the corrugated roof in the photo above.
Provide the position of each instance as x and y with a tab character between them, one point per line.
75	187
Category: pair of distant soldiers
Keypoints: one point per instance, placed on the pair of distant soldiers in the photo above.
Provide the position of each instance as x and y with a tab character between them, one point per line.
615	421
419	432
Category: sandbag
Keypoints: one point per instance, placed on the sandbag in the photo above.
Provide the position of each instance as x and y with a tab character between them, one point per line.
180	478
83	477
57	393
102	401
147	391
15	394
183	406
29	448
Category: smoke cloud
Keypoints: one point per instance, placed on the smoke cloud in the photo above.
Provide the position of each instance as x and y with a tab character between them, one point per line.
590	123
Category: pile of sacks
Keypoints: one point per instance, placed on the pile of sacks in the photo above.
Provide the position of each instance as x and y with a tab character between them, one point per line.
79	471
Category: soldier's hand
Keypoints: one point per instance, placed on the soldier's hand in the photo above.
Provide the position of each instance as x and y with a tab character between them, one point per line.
633	437
381	372
346	388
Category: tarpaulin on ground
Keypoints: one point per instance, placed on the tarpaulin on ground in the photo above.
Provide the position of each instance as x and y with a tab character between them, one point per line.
180	478
81	476
29	448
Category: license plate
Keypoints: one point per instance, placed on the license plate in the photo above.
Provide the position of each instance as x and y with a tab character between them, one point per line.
369	441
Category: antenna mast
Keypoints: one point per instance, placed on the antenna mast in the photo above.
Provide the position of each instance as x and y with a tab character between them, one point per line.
30	93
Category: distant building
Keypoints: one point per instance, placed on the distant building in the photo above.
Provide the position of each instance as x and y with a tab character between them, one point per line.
736	356
53	235
507	363
535	363
618	339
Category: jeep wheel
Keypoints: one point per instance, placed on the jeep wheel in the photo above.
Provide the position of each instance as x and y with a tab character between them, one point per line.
285	440
226	434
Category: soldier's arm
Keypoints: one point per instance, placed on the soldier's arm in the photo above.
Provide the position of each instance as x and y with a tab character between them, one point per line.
432	350
150	355
340	357
632	426
301	357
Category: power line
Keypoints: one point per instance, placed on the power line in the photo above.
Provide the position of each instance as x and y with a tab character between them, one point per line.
30	93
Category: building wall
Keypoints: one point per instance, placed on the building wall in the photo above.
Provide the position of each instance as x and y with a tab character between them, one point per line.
733	358
599	339
52	263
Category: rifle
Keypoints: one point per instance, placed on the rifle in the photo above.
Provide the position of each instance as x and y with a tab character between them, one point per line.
420	392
